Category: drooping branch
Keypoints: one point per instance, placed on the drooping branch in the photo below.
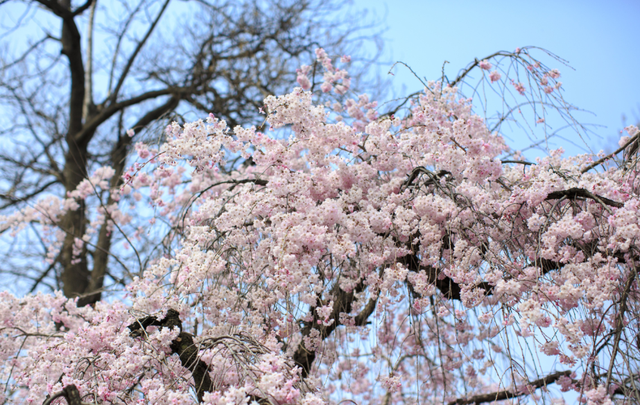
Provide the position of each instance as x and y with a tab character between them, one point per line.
576	193
476	63
632	149
509	394
572	193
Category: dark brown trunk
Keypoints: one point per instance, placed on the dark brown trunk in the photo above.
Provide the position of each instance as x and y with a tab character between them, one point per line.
75	274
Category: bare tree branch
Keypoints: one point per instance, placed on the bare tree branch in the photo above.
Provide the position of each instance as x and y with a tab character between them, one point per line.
132	58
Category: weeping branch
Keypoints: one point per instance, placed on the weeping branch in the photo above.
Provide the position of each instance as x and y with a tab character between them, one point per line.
509	394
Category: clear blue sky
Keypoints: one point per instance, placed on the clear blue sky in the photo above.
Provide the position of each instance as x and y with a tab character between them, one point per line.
599	39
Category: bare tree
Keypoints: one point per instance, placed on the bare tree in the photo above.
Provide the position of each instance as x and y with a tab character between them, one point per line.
100	68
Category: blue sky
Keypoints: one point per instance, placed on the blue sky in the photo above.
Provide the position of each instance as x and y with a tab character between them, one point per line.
599	40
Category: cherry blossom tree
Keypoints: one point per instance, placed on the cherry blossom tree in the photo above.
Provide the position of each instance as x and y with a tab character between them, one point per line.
340	253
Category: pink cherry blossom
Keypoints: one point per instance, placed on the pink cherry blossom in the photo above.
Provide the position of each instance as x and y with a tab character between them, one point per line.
554	74
485	65
520	88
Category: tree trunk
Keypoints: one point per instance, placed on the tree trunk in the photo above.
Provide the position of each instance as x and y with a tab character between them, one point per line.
75	274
